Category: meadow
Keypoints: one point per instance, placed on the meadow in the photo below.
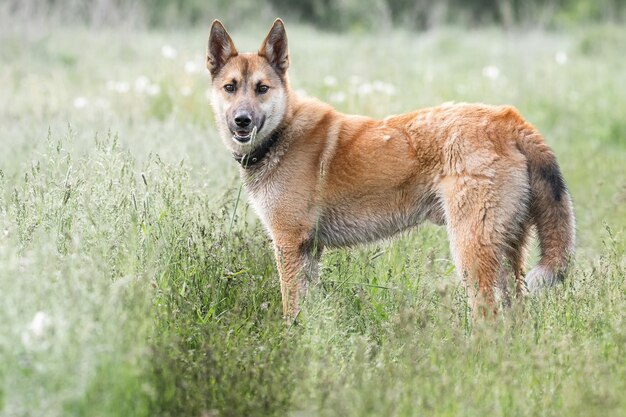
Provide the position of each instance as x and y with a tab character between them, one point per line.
134	283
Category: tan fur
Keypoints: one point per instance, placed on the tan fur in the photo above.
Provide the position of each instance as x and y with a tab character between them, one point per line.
335	180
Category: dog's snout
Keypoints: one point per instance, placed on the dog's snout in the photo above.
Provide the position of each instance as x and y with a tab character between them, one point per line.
243	119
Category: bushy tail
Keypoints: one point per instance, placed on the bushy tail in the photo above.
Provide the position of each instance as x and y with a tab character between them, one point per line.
551	211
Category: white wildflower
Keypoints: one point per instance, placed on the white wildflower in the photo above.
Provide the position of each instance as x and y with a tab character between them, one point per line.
33	335
384	88
192	67
560	58
338	97
168	52
80	102
122	87
365	89
491	71
141	83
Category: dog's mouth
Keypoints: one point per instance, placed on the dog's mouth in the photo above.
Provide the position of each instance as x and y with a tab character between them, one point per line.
245	136
242	136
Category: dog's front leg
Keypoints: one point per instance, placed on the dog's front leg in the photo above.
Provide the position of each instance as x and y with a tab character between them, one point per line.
297	265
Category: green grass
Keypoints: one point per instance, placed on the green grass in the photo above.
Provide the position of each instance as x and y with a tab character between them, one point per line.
126	293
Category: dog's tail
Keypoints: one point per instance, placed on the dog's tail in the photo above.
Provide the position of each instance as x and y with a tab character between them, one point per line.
551	211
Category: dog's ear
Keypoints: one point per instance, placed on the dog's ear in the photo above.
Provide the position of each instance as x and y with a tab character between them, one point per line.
274	47
219	49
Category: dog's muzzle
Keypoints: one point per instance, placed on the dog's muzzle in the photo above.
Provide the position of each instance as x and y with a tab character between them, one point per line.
245	131
243	128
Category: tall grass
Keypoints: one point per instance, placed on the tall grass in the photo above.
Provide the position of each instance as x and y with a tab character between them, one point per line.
127	292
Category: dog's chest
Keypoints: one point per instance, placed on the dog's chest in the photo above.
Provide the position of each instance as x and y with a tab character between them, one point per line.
264	202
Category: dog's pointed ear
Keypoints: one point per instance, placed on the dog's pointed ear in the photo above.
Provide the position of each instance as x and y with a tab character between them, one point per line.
219	49
274	47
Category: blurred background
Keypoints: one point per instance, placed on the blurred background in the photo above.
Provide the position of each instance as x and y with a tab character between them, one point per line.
342	15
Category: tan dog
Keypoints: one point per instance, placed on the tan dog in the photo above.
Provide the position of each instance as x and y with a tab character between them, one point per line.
318	178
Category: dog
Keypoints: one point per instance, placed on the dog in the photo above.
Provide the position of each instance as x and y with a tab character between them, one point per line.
318	178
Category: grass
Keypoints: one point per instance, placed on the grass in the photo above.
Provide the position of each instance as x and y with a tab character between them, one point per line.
126	291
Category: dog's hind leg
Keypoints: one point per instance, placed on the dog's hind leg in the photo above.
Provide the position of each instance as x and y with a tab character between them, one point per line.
485	215
471	242
478	264
517	257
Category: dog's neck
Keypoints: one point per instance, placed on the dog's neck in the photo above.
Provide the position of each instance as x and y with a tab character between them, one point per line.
247	160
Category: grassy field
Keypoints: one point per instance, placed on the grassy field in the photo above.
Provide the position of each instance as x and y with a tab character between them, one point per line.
131	287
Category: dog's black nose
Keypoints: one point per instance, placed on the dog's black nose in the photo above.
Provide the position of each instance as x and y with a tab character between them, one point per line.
243	119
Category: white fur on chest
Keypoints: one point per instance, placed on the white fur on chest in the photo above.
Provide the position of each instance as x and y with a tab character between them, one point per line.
263	200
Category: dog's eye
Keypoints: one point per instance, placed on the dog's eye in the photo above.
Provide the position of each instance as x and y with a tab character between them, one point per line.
262	89
229	88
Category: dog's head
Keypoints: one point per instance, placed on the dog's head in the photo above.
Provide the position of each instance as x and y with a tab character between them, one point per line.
249	90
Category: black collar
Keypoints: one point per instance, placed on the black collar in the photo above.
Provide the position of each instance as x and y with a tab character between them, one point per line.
247	160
